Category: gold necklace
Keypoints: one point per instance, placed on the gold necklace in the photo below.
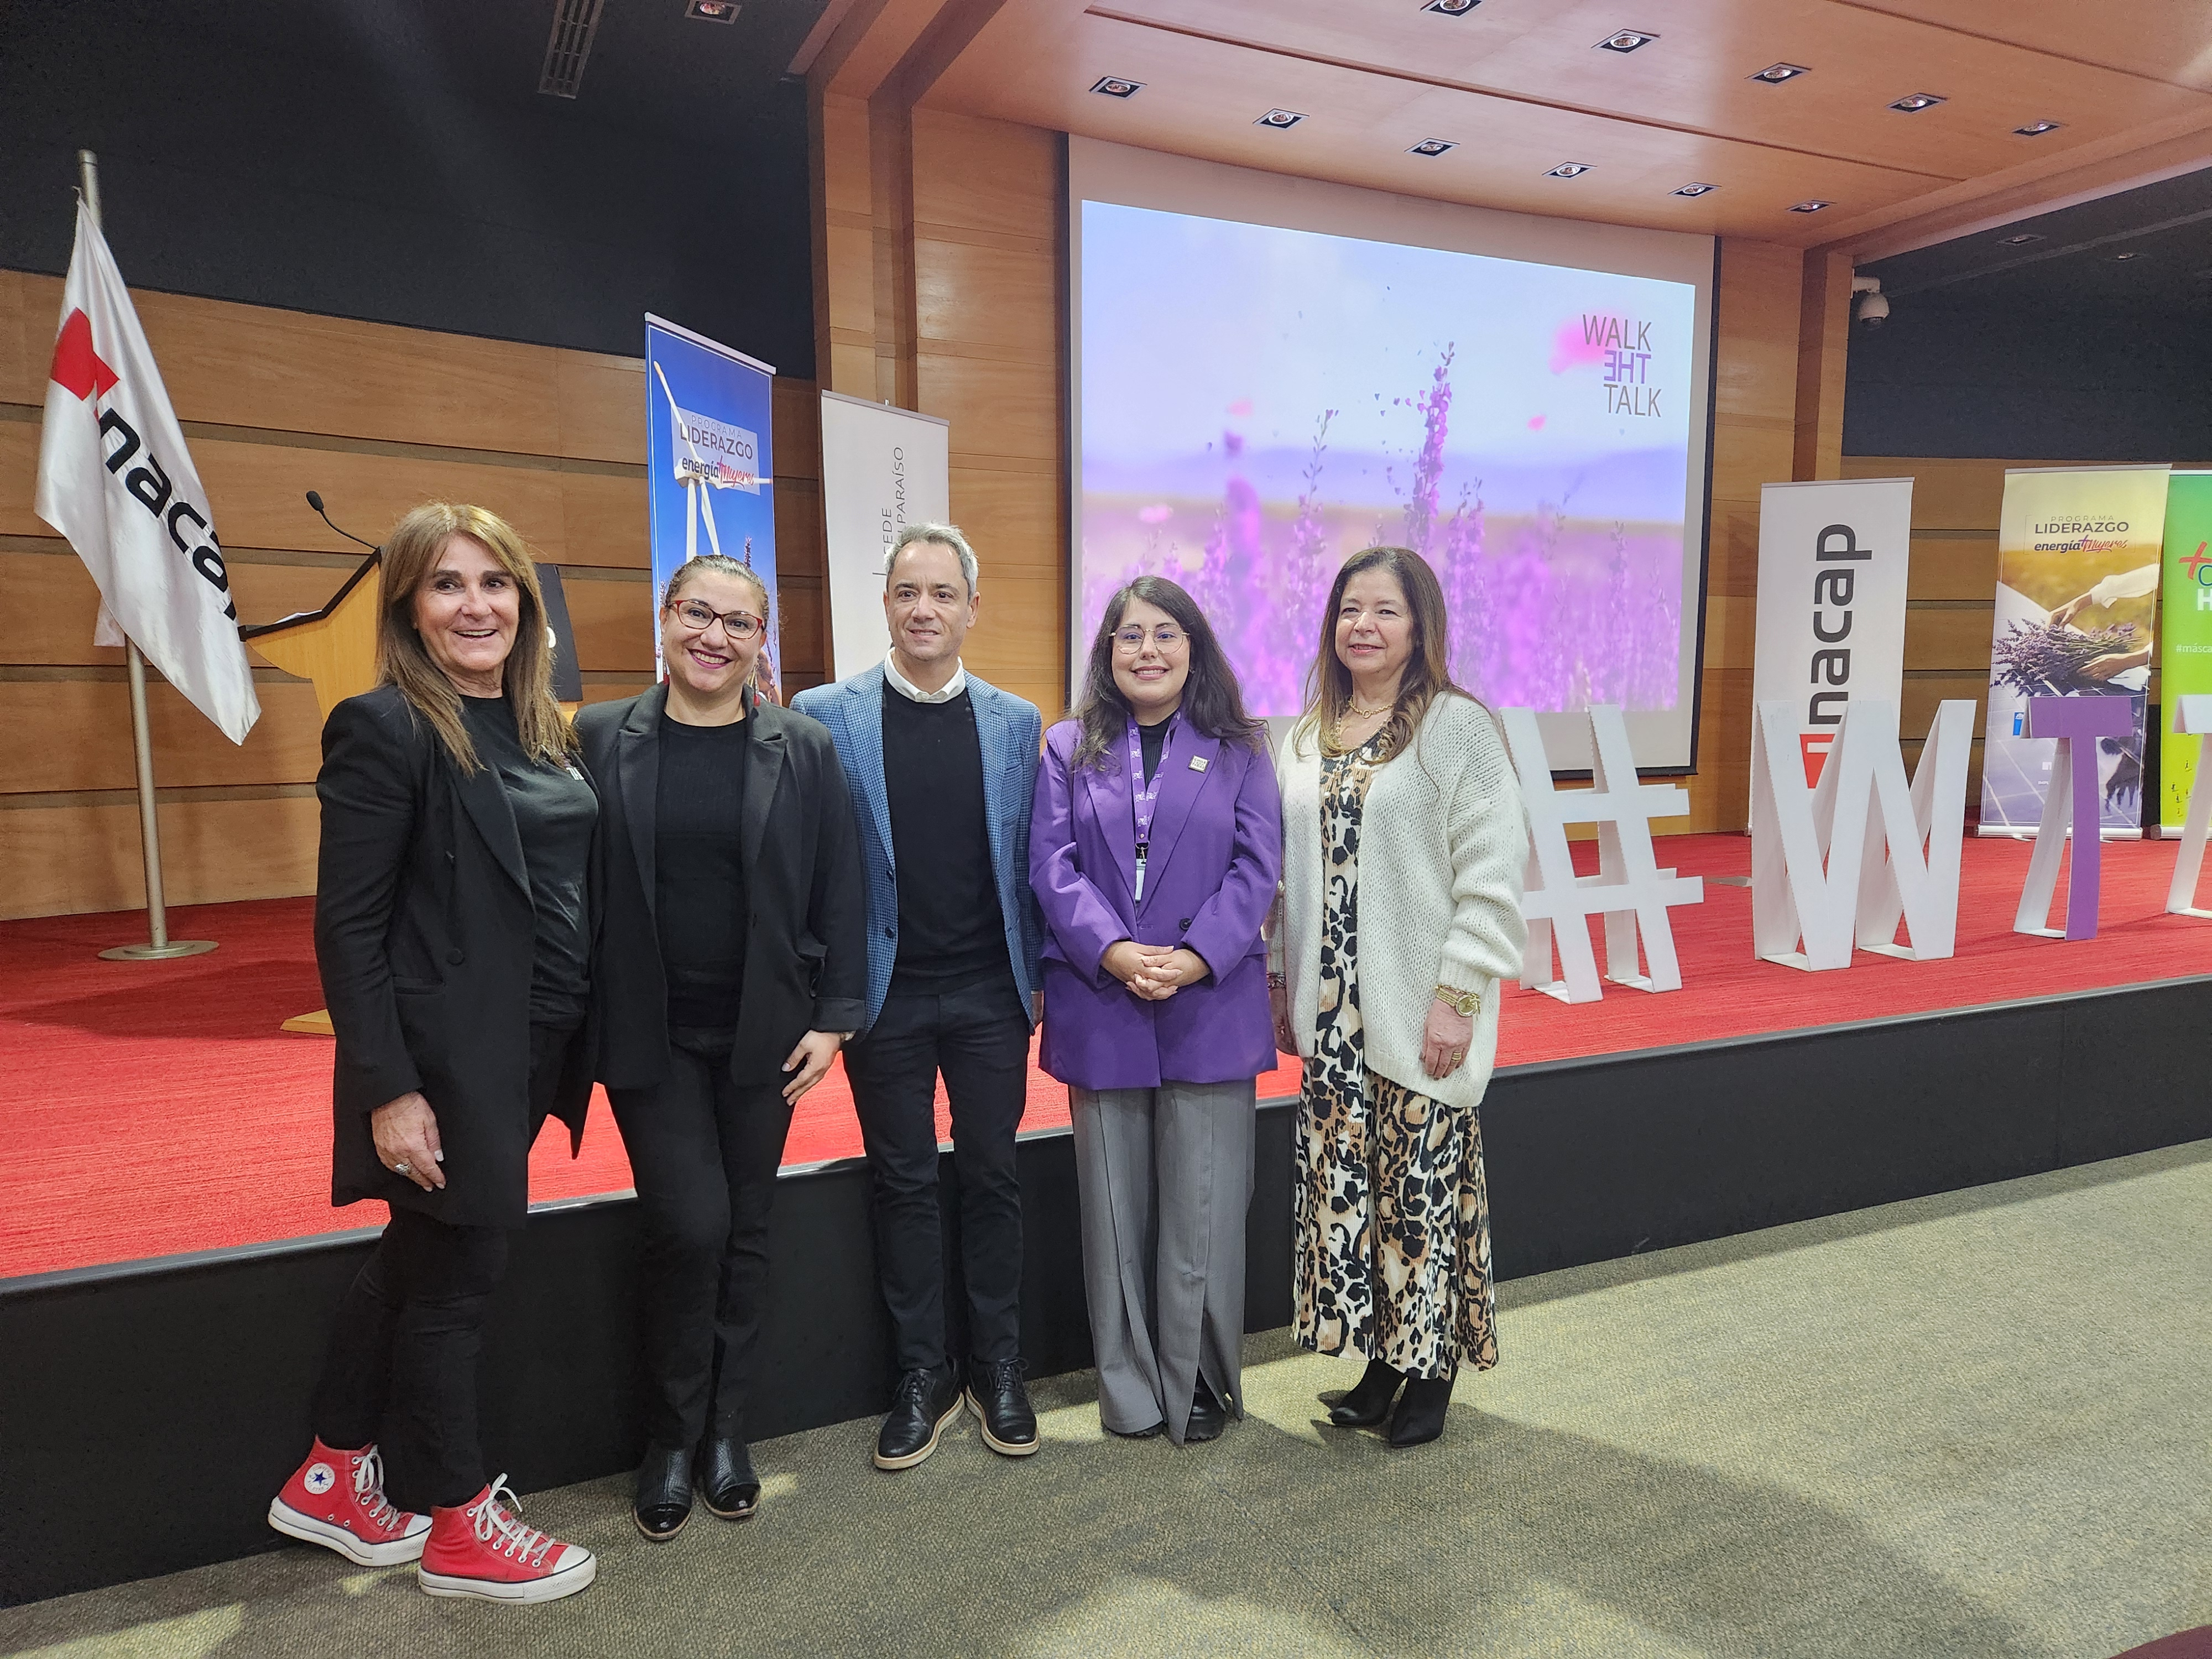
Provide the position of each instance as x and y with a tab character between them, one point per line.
1353	703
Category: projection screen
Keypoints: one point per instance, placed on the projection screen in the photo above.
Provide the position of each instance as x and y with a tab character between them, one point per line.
1268	373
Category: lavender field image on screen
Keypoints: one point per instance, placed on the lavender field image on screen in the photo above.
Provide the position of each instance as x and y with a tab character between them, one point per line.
1259	404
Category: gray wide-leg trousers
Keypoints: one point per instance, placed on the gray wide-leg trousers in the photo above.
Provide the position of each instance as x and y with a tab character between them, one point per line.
1166	1177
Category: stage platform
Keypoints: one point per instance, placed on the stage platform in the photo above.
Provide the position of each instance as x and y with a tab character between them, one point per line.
170	1114
156	1112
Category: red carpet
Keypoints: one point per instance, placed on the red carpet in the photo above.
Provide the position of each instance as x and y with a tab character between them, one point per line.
155	1106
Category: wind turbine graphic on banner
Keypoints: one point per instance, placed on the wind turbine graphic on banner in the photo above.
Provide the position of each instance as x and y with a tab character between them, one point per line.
694	475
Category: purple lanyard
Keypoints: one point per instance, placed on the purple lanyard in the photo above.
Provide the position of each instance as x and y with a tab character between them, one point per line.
1144	796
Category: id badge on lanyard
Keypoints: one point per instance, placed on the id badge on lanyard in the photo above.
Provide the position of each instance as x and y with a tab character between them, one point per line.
1144	798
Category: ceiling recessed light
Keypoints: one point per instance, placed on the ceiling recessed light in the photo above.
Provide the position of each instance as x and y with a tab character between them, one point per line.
1432	146
1451	8
1775	74
1114	87
1279	118
1567	170
713	11
1913	103
2025	236
1697	189
1626	40
2037	129
1812	206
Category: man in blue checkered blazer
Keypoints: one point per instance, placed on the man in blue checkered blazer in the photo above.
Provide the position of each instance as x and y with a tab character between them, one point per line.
942	769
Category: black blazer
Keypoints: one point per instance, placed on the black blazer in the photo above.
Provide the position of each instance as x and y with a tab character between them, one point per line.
424	935
806	954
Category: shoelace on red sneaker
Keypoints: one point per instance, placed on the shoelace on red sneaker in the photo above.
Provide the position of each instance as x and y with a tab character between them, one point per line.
368	1490
523	1544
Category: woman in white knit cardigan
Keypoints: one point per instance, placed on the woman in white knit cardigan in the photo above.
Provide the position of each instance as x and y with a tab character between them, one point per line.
1401	912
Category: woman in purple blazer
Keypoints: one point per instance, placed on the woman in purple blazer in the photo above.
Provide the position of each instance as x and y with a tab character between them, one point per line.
1154	850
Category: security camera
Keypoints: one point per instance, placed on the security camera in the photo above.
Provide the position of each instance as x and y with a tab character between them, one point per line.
1873	305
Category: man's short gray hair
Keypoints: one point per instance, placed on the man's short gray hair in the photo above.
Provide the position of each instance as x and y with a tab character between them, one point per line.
946	535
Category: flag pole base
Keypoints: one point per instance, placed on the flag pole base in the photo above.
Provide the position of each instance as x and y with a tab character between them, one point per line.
175	947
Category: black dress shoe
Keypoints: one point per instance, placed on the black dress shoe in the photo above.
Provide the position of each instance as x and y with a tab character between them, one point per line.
1368	1402
664	1493
1001	1401
727	1485
1420	1415
1152	1433
922	1407
1207	1416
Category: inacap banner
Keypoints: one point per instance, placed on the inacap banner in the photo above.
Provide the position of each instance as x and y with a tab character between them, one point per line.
710	477
2078	552
2185	651
1832	556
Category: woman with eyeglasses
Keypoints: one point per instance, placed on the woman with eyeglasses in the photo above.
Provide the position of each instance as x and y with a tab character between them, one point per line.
734	964
1154	848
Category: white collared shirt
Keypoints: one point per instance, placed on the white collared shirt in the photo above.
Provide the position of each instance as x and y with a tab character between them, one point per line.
907	689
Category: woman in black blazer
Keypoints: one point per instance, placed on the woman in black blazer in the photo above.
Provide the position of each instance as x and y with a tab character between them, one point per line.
733	966
453	924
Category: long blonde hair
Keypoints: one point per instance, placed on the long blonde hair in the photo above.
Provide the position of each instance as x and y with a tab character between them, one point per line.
1428	670
411	554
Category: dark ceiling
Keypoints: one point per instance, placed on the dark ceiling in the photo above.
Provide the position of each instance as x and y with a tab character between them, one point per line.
2149	248
393	159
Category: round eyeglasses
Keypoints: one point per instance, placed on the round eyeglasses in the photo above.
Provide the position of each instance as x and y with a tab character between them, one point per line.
1130	640
698	618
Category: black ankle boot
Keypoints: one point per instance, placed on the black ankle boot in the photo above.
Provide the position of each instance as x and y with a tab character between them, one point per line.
1420	1415
726	1480
1208	1417
663	1503
1369	1402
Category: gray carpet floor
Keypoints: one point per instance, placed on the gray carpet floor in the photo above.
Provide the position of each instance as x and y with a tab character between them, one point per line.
1974	1425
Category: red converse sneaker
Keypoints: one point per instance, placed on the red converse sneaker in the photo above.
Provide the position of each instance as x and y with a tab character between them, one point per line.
336	1498
479	1549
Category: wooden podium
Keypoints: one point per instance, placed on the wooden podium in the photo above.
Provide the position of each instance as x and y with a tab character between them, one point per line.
335	649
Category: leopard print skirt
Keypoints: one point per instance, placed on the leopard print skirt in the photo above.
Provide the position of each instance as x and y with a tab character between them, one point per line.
1393	1219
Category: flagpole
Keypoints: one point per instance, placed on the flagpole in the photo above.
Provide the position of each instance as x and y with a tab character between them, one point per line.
160	946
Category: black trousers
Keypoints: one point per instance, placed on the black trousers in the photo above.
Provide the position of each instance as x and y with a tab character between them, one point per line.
401	1369
979	1039
704	1152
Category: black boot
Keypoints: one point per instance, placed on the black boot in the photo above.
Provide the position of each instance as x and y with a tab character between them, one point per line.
1207	1417
1420	1415
664	1493
1001	1404
1368	1402
923	1406
727	1481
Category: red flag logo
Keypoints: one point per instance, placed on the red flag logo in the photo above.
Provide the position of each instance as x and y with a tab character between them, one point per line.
78	367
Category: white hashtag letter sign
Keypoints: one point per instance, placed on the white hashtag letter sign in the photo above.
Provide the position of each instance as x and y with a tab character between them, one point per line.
1629	890
1820	873
2192	713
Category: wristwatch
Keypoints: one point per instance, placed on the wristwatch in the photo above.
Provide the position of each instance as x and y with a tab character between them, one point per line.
1459	1002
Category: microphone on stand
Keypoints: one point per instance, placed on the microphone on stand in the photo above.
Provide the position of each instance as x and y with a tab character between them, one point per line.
315	500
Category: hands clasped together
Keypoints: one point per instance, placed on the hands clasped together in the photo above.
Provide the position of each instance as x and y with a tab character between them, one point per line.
1154	972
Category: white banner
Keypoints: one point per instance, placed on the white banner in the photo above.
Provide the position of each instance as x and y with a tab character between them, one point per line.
882	469
114	477
1833	554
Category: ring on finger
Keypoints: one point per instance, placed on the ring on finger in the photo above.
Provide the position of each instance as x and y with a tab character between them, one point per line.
400	1168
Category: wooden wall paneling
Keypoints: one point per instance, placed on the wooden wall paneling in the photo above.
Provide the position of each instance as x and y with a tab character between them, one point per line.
600	408
844	243
26	348
798	430
612	620
52	603
1952	565
67	859
1824	326
74	733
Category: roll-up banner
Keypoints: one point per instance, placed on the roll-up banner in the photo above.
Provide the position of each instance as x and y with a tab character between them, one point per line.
2185	646
710	477
1832	555
882	469
2077	595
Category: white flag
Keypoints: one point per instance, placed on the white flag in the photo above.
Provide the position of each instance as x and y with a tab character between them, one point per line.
115	478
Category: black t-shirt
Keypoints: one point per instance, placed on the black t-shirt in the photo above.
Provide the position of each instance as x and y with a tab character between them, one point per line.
951	931
1152	740
699	870
554	811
